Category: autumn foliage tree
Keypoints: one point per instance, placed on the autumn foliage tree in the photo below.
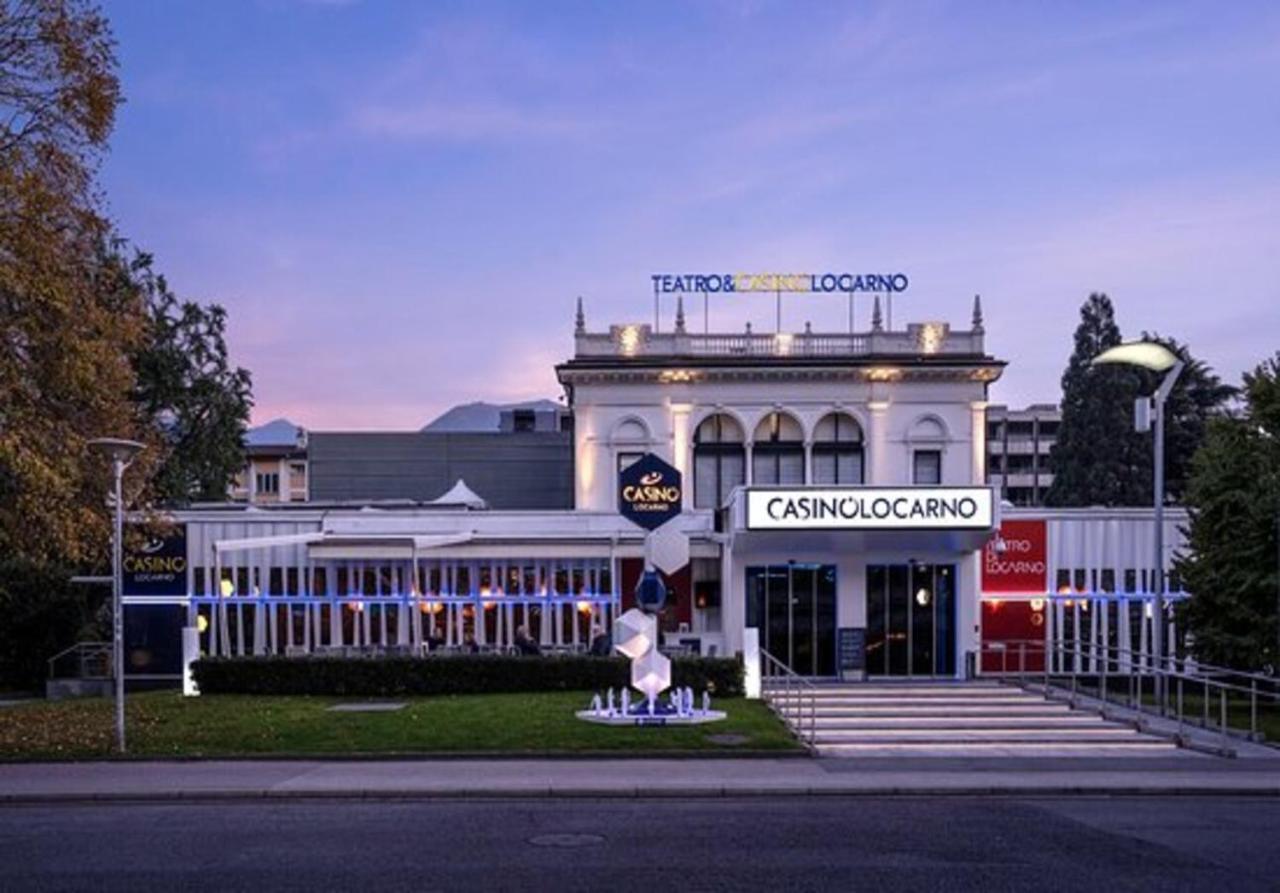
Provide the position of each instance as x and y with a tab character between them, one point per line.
64	371
94	344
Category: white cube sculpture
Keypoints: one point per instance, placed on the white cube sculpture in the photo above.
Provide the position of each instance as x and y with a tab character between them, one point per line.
651	674
635	633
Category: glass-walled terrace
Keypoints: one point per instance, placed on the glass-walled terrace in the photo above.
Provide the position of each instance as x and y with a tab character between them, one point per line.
402	606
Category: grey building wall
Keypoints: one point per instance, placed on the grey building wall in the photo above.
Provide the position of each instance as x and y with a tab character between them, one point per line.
527	470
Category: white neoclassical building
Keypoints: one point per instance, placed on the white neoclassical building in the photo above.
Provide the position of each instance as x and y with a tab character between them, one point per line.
832	482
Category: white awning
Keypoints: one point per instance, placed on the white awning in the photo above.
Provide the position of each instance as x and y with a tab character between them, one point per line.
266	542
391	546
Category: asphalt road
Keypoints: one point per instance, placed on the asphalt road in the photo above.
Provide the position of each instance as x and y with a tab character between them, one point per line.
791	844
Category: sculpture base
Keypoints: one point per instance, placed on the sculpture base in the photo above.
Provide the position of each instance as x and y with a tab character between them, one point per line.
658	718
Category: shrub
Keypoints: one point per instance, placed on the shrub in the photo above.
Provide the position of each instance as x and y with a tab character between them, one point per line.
43	613
447	674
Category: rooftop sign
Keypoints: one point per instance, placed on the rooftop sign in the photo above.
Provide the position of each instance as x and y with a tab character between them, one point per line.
870	508
833	283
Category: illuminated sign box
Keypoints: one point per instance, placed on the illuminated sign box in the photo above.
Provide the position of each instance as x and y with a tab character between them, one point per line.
870	508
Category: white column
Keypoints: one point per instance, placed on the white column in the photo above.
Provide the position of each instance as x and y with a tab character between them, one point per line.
877	463
978	424
1124	635
681	456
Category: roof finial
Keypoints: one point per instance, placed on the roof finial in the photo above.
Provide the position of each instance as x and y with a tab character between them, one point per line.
679	314
580	320
977	314
877	322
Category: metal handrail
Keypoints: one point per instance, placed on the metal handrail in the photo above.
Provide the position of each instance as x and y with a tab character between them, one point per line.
1025	647
1168	686
799	697
86	653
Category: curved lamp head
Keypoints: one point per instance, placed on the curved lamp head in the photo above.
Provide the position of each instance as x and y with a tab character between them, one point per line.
115	449
1148	354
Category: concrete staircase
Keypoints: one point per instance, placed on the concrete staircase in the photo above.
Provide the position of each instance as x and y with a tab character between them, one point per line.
948	718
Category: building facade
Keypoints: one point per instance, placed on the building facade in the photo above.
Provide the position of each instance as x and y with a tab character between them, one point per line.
830	482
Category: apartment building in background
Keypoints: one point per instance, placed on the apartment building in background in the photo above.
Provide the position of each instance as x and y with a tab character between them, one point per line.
1018	445
276	468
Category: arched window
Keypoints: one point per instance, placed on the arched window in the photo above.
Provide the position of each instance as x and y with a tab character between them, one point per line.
630	440
719	460
927	441
777	452
837	450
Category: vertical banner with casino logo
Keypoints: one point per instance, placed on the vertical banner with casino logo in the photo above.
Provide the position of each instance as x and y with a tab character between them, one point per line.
157	566
1015	581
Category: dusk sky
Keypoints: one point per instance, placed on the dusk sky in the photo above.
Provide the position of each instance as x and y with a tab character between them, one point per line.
398	203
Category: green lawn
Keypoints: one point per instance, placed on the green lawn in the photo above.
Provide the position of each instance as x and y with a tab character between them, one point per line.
166	724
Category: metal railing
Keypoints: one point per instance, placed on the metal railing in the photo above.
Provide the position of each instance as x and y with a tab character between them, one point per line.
83	660
791	696
1178	688
1018	657
641	340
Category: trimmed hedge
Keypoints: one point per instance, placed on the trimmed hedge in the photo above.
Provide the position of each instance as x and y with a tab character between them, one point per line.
447	674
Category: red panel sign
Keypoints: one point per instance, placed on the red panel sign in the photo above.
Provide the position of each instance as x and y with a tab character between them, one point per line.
1023	566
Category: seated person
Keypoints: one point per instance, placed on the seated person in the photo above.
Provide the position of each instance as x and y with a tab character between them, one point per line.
524	644
602	645
469	644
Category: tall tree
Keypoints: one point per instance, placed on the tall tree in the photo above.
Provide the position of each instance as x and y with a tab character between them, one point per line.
1096	459
1232	561
65	374
198	402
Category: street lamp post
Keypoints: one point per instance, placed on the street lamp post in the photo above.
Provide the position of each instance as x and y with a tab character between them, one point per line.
1158	358
120	453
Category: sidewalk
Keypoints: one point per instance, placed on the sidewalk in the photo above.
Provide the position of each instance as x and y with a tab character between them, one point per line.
1184	773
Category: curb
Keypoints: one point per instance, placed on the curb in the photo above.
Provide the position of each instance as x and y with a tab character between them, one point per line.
604	793
792	753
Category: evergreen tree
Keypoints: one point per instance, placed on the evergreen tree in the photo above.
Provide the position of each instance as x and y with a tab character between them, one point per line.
1232	562
1097	458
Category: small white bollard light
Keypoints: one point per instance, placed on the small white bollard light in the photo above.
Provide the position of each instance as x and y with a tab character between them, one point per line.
751	662
190	654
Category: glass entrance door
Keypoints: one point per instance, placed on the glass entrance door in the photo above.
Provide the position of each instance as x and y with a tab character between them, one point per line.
911	620
794	607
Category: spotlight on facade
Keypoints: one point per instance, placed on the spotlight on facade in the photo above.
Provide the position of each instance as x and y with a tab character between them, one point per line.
922	597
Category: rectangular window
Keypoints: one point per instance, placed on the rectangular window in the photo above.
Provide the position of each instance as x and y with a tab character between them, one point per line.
267	481
927	467
524	420
626	460
733	473
837	467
